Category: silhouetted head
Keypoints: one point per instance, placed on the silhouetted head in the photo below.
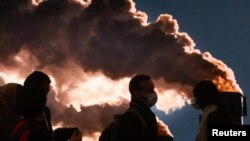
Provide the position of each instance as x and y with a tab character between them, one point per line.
31	100
38	80
31	103
205	93
141	87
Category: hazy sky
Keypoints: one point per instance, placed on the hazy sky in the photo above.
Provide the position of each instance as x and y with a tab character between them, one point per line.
219	27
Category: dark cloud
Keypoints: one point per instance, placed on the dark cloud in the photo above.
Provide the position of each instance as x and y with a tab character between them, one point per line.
41	30
106	36
119	45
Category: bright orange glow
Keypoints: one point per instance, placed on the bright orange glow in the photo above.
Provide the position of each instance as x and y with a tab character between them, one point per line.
224	85
94	137
10	77
170	100
228	83
97	90
84	3
36	2
24	63
143	17
163	129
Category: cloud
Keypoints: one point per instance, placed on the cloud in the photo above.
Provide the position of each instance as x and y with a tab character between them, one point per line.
108	36
89	119
1	81
75	41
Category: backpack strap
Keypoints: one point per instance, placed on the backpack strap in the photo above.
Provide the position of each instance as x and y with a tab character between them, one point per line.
143	122
21	131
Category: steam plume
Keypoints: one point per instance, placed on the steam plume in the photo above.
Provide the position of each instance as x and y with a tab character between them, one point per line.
89	119
74	41
1	81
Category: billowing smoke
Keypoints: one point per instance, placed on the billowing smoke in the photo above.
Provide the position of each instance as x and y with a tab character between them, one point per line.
1	81
91	48
89	119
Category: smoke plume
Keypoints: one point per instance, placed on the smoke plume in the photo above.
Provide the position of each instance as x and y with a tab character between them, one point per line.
89	119
91	48
1	81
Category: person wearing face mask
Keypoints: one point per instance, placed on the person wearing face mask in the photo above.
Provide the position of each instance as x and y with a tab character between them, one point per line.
206	98
142	127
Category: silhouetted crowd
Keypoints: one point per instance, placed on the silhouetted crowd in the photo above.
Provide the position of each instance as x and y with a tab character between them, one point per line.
24	115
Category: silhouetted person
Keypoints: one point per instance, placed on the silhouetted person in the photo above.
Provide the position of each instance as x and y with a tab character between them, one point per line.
206	98
144	127
13	98
32	106
8	109
35	115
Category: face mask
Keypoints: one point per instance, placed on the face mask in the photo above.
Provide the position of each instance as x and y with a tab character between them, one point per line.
151	99
194	103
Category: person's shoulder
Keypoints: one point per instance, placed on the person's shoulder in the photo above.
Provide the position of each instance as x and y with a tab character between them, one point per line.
128	116
219	117
31	130
214	117
132	113
131	125
10	86
133	118
38	132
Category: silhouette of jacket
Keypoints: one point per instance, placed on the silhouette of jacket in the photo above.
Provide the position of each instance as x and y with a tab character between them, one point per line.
8	109
220	116
39	129
131	128
213	114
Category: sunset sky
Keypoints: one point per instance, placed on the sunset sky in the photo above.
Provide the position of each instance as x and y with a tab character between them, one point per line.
91	49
